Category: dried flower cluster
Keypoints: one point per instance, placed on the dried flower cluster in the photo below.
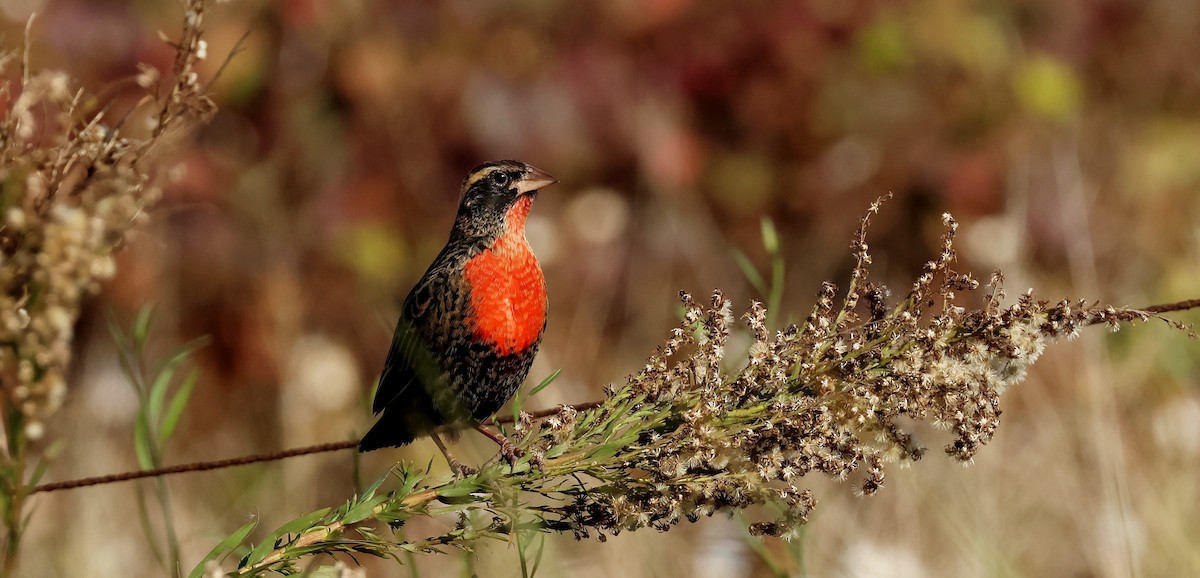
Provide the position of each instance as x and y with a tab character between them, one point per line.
74	181
687	437
830	396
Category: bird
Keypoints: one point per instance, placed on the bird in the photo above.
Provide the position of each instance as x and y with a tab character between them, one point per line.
470	327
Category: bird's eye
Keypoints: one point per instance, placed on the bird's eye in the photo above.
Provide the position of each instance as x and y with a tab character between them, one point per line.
499	178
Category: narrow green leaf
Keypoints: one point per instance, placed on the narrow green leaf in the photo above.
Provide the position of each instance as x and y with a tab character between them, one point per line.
517	402
750	271
276	539
176	406
302	523
370	491
537	558
158	393
520	538
545	382
604	452
158	390
141	326
125	354
42	464
462	488
362	510
260	551
141	442
229	543
770	236
39	470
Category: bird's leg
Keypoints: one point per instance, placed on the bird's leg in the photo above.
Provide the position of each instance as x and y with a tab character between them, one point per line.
459	468
511	453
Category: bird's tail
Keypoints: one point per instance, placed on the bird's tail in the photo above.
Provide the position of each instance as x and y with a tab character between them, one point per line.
387	433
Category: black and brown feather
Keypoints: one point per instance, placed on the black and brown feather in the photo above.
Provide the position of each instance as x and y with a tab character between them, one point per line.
439	372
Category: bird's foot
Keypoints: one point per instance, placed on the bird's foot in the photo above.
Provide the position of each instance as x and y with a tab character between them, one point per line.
461	469
510	452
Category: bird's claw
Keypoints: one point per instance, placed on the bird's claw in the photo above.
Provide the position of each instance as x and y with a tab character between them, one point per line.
511	453
463	470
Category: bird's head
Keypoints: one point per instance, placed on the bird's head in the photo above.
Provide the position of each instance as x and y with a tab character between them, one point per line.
496	198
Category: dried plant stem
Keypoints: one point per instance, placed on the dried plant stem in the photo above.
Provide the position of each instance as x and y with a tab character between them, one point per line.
351	444
1170	307
77	183
253	459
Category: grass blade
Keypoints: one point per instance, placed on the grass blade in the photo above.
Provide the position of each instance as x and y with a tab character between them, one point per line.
141	442
175	408
545	382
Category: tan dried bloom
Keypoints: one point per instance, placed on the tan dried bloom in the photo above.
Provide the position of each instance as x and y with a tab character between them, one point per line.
685	439
75	188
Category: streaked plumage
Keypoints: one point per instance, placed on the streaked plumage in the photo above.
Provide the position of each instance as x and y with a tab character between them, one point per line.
470	327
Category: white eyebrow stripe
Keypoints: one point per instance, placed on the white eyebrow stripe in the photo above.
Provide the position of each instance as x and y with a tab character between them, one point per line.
479	174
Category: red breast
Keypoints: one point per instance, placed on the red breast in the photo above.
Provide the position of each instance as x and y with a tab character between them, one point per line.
508	291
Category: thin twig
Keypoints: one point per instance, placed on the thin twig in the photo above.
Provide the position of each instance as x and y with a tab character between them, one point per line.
194	467
255	458
1169	307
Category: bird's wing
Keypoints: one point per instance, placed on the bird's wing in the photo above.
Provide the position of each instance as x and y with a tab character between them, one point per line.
409	367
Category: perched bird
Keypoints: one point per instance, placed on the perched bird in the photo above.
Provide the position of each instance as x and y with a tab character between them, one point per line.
469	329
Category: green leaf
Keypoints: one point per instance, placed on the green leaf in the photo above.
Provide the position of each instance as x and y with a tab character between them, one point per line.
520	399
260	551
42	464
141	442
603	452
175	408
537	558
370	491
229	543
517	402
545	382
302	523
462	488
770	236
125	354
158	390
298	526
158	393
141	326
362	510
749	271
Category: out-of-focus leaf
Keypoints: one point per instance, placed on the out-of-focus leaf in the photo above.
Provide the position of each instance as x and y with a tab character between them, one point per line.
749	271
1048	87
883	45
175	409
162	381
141	326
141	442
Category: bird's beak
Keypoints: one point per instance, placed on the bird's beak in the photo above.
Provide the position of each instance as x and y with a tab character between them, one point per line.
532	180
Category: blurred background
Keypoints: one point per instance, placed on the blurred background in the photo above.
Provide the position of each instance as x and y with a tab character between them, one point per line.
1064	136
